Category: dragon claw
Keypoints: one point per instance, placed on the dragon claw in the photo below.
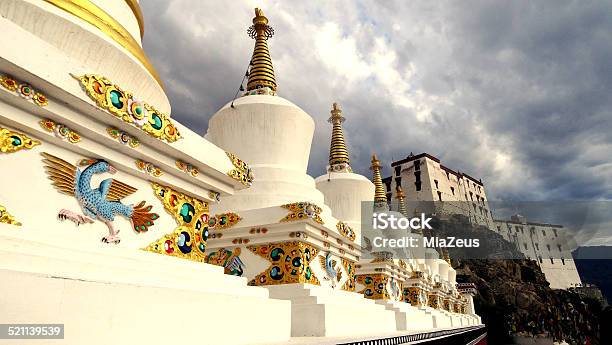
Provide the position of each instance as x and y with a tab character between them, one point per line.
76	218
111	238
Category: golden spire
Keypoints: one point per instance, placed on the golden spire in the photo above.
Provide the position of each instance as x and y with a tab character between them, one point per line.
261	74
379	189
400	196
338	154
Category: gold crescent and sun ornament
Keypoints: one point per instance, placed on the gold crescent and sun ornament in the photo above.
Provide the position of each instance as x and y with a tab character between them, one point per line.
102	203
126	107
12	141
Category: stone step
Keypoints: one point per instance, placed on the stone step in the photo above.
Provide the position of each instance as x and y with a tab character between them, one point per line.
35	258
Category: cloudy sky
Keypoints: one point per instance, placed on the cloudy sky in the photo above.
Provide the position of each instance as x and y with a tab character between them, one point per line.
515	92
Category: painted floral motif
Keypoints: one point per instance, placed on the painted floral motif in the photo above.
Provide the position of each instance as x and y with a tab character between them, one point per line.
188	240
11	141
346	230
125	106
149	168
223	221
7	218
242	171
24	90
229	259
61	131
187	168
375	286
289	263
302	210
123	137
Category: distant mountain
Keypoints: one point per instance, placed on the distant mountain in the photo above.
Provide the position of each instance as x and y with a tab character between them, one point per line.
594	264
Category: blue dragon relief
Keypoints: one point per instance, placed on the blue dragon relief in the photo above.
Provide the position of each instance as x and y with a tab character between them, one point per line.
102	203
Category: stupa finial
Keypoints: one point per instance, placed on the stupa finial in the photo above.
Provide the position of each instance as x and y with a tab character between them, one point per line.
379	189
261	73
338	153
401	197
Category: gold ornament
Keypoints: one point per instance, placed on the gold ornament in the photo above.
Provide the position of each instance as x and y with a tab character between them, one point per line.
242	172
149	168
302	210
349	267
125	106
434	301
289	263
375	286
61	131
346	230
187	168
11	141
24	90
188	240
223	221
7	218
123	137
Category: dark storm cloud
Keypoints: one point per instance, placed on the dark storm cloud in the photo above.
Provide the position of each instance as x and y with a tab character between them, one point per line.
515	92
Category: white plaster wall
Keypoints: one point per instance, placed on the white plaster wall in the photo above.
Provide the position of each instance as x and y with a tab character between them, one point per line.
266	131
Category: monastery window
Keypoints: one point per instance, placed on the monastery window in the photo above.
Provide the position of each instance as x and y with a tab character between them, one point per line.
537	246
522	232
555	231
418	186
465	196
552	261
448	175
398	170
540	258
479	191
525	245
532	230
398	181
563	261
436	182
440	195
559	246
417	165
498	228
548	247
472	196
543	232
453	190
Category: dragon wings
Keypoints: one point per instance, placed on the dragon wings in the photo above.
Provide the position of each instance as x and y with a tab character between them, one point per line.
65	176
